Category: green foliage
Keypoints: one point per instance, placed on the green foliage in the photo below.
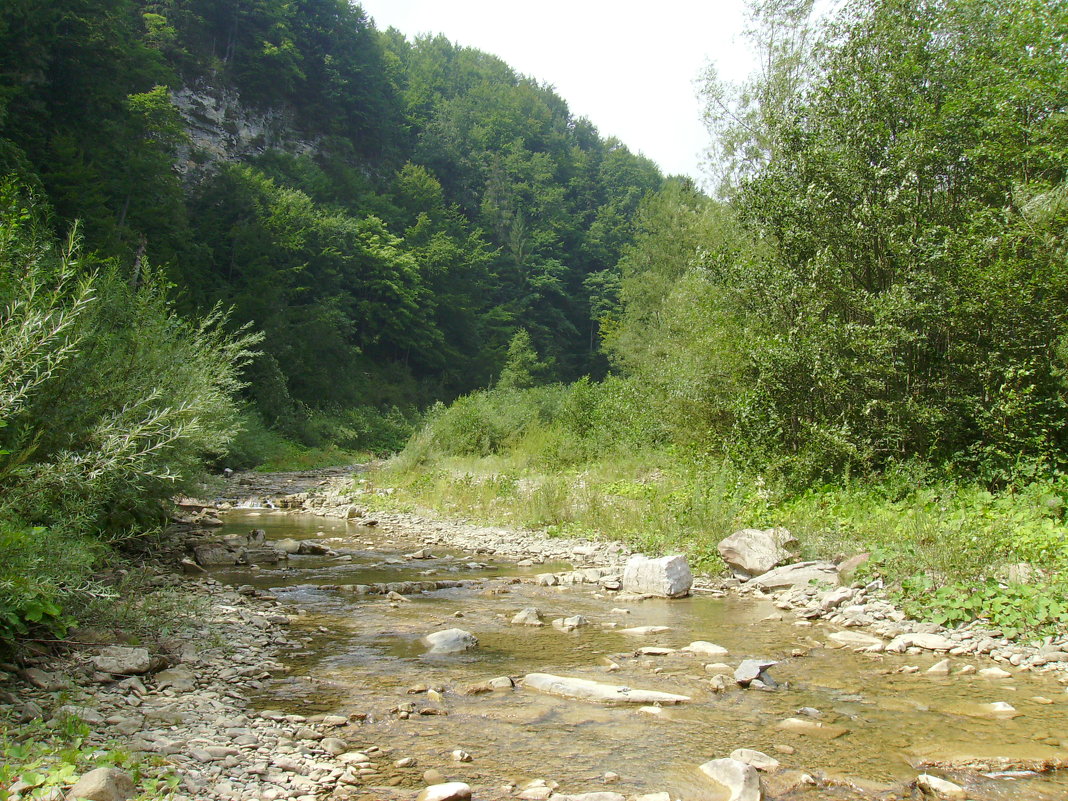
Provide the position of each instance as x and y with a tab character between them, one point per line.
522	367
49	758
444	203
110	403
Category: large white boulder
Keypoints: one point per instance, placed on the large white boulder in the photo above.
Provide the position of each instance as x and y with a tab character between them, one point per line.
754	551
667	577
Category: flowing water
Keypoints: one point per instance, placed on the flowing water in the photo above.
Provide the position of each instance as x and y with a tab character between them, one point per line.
365	653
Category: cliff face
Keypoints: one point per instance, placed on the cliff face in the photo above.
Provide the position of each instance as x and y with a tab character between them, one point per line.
222	128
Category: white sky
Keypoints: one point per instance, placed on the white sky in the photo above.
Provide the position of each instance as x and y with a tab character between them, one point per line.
631	68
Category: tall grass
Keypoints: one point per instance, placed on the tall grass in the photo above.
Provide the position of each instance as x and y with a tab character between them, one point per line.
589	460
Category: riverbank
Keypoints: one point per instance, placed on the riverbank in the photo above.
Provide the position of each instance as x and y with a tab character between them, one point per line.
857	605
188	720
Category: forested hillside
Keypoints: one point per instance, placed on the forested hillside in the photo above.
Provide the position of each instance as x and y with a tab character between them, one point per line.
389	213
862	338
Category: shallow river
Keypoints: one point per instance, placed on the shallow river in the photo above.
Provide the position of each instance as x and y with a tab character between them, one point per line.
365	653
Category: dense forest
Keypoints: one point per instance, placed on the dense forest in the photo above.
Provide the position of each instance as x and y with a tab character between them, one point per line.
225	226
388	213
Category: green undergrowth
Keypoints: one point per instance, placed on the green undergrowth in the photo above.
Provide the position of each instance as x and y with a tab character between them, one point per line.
319	439
570	461
49	757
947	553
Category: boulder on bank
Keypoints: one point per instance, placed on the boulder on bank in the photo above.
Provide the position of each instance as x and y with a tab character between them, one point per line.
666	577
122	661
588	690
451	641
103	784
800	574
753	551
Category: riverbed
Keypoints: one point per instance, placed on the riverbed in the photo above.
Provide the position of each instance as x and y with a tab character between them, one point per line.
364	656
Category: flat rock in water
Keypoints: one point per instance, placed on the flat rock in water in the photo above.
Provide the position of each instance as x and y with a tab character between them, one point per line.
939	788
602	796
856	639
928	642
449	791
753	551
643	630
451	641
587	690
214	553
741	780
801	574
812	728
666	577
706	648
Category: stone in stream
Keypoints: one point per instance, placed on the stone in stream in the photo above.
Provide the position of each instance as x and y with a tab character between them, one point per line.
758	759
599	796
530	616
928	642
706	648
449	791
566	624
995	673
857	640
753	670
313	548
644	630
939	668
103	784
666	577
587	690
753	552
741	780
939	788
288	545
801	574
451	641
812	728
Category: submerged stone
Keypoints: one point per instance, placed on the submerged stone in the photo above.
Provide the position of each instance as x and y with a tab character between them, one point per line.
588	690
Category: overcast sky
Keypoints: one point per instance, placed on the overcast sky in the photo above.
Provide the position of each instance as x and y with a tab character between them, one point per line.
631	68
